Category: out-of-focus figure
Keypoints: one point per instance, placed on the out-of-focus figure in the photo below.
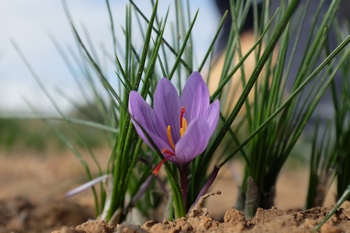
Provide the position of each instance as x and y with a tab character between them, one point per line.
325	109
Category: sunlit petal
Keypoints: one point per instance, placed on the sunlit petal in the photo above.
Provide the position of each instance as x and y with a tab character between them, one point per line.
212	115
167	107
195	96
143	115
193	143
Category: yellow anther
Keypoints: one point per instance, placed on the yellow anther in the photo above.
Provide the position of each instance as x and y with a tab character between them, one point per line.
182	132
184	126
184	123
168	130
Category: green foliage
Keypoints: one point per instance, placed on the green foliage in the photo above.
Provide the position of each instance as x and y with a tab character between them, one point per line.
16	134
275	122
330	147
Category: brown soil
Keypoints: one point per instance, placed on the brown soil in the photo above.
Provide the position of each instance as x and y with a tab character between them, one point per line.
32	187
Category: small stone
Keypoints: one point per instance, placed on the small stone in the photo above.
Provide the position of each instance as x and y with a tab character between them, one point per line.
233	216
95	227
182	225
128	228
205	223
147	225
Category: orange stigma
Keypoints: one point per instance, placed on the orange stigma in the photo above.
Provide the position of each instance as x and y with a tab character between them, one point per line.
157	168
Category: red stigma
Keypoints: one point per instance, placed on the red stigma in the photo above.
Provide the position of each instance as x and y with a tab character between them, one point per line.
183	110
157	168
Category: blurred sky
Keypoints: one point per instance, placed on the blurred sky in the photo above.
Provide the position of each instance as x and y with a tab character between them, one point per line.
29	23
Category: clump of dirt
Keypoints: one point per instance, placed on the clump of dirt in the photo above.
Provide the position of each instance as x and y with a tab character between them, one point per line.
272	220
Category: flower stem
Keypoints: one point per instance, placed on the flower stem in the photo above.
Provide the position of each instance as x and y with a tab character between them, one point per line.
180	210
184	183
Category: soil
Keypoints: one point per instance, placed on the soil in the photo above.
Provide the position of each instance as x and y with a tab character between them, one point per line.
32	189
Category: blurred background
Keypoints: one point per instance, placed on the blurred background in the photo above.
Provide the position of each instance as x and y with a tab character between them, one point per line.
38	27
33	24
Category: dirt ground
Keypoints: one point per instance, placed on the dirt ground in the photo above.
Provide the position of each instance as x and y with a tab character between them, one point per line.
32	189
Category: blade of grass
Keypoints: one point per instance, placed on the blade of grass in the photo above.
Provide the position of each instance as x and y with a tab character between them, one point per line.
268	51
292	96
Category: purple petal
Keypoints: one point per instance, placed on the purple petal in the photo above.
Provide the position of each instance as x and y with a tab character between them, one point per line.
212	115
167	107
195	96
144	115
193	143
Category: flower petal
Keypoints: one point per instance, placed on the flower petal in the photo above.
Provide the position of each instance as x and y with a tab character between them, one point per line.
144	115
167	107
212	115
195	96
193	143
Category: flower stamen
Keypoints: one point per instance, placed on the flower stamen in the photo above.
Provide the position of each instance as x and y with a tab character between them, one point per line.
157	168
184	127
168	132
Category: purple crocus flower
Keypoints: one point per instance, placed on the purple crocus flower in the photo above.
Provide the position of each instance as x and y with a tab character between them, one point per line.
179	126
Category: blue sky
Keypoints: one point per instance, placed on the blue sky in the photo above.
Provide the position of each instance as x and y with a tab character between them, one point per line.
29	24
